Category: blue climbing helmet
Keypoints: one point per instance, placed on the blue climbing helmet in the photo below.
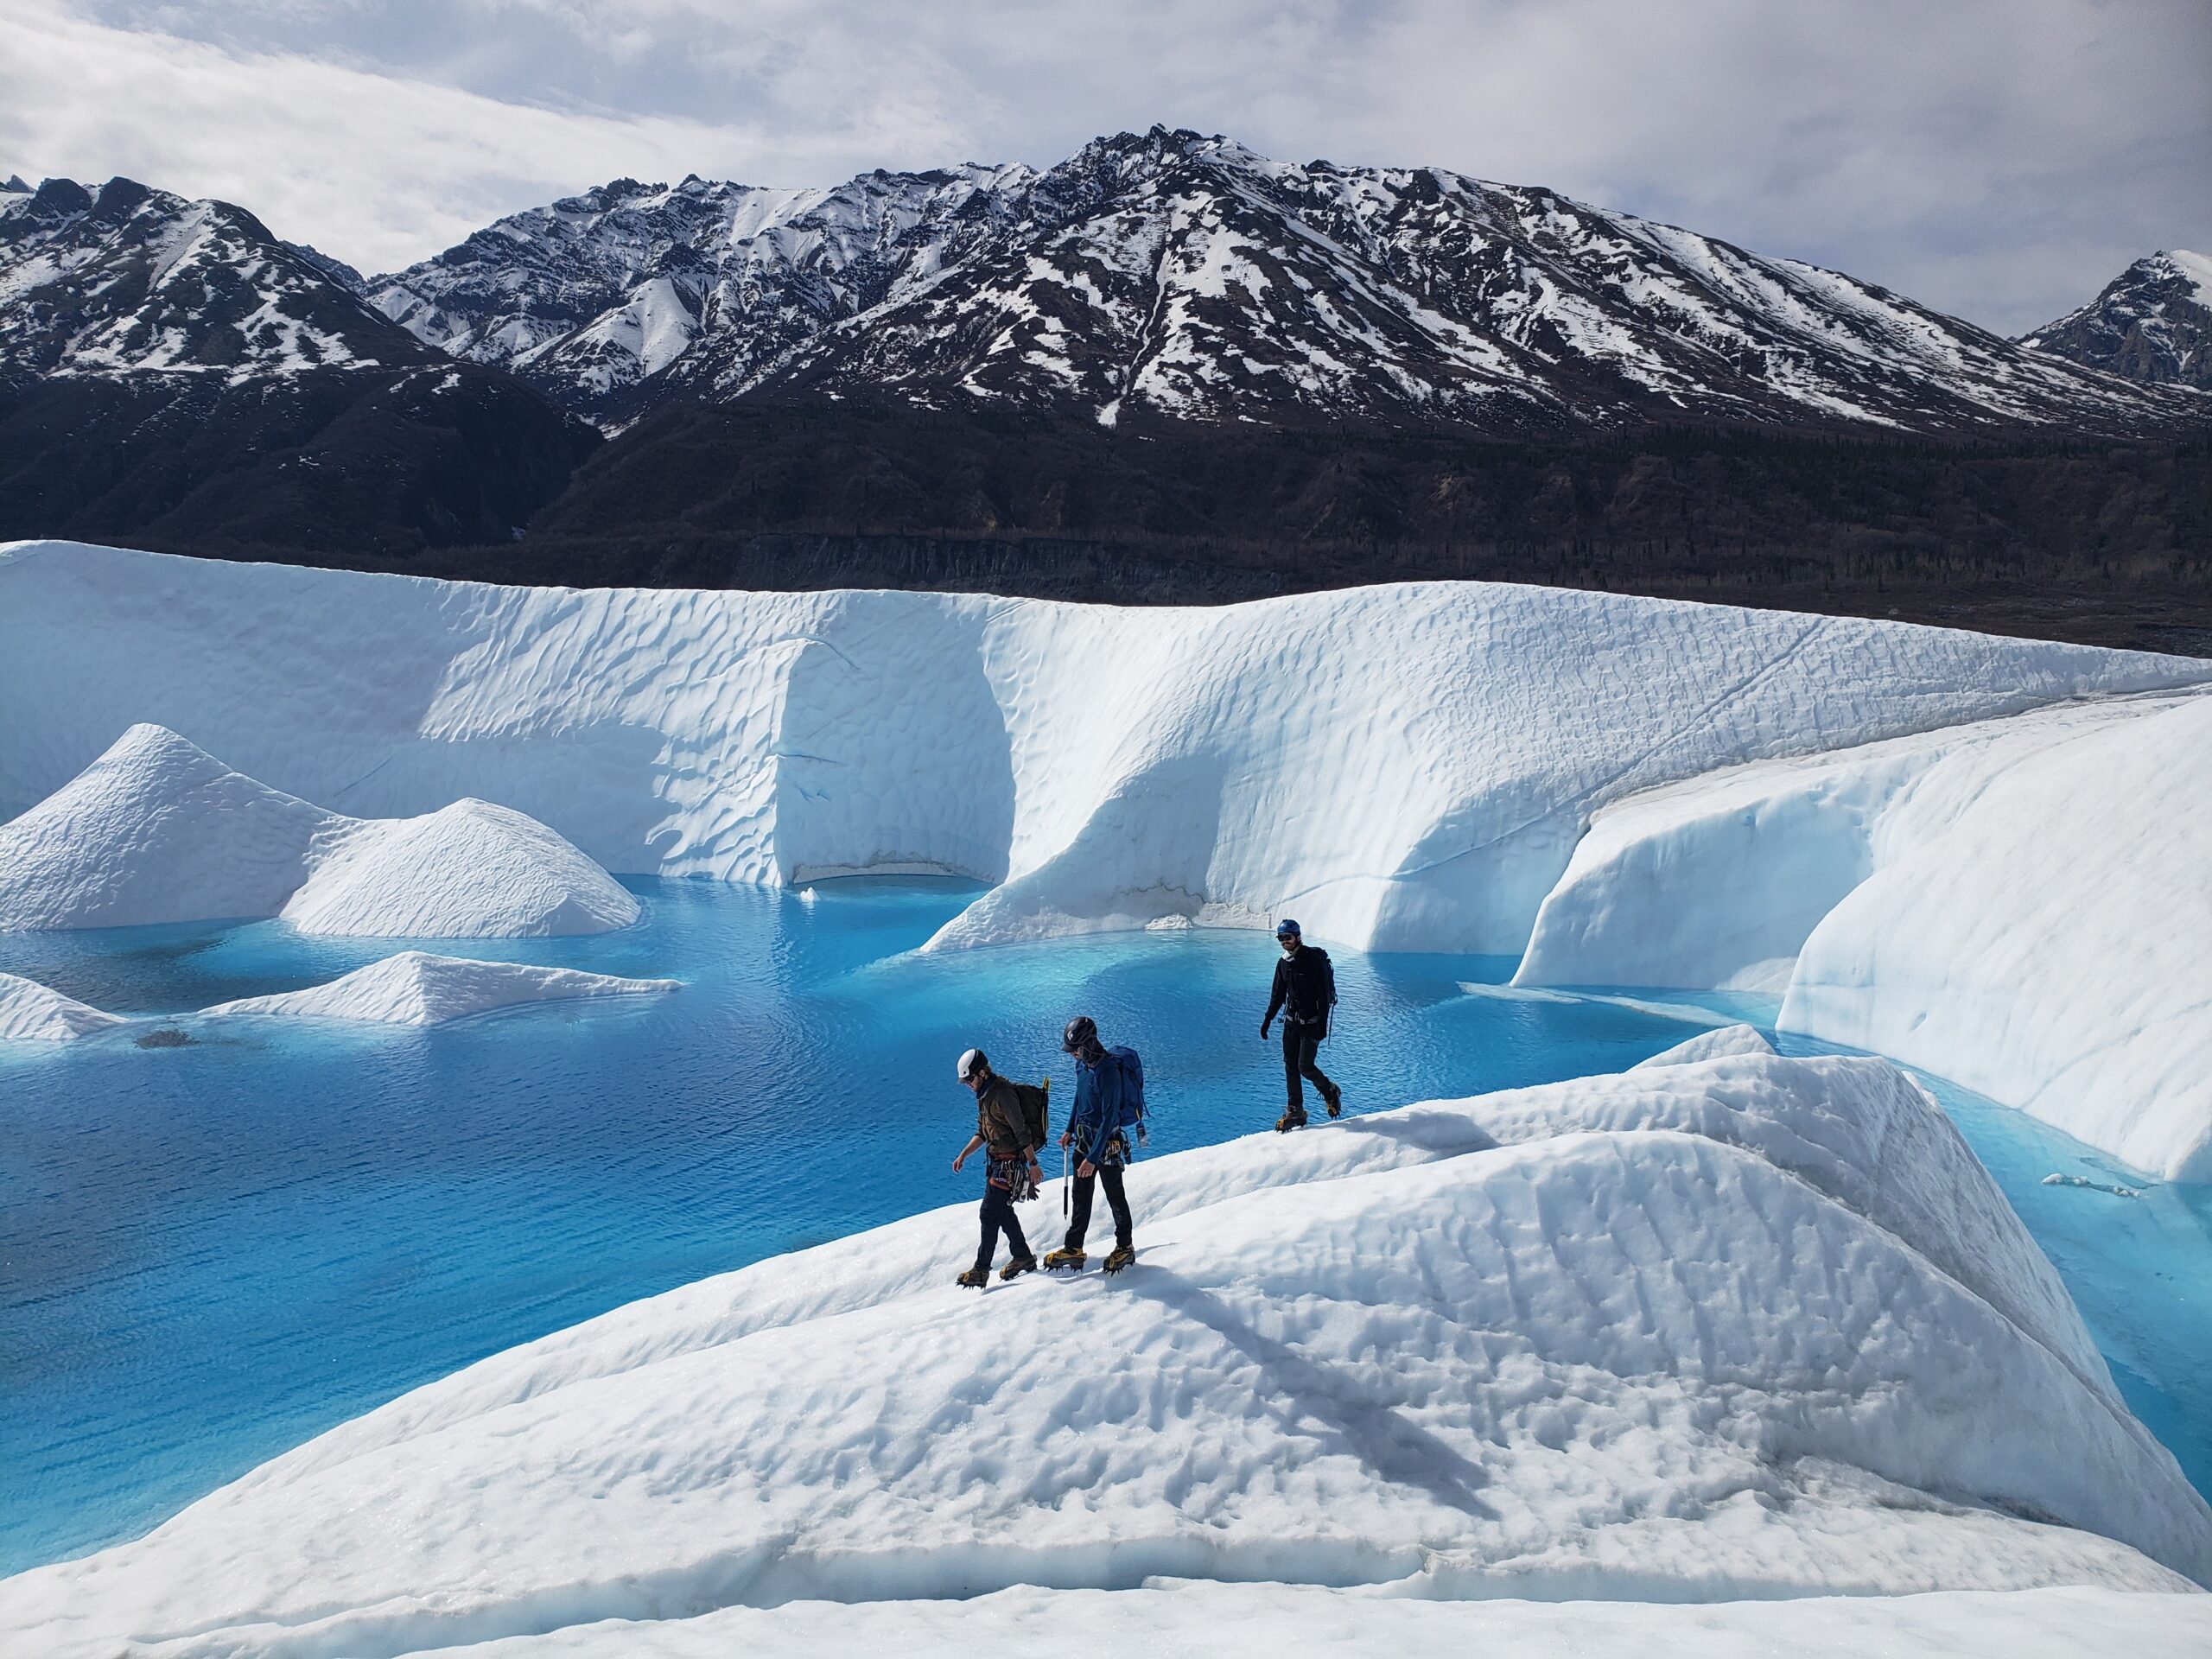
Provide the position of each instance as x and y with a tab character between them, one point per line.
1287	929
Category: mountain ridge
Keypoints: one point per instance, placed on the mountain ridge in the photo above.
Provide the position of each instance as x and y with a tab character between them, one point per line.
1191	277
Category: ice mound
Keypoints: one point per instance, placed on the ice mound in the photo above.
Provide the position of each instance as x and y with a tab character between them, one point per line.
1713	1045
470	870
2019	905
156	830
416	988
1743	1327
30	1012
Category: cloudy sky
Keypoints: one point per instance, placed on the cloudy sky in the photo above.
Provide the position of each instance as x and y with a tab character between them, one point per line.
2000	159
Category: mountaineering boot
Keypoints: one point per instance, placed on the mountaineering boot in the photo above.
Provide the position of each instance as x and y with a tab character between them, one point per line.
975	1278
1293	1119
1063	1257
1120	1256
1019	1265
1336	1103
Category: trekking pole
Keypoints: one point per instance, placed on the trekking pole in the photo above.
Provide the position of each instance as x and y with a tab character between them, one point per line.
1064	1182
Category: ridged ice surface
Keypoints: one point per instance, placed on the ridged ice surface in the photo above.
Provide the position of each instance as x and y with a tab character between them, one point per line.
1748	1326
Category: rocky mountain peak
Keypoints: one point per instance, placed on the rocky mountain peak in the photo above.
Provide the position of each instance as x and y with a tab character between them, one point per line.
2152	323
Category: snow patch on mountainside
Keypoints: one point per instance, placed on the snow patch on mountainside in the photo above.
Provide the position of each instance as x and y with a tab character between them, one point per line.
156	830
1754	1327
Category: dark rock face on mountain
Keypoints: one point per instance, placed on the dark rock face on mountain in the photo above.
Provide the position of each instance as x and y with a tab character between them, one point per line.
2152	324
172	373
1182	277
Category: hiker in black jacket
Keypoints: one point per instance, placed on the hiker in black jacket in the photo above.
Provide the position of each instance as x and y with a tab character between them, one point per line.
1305	992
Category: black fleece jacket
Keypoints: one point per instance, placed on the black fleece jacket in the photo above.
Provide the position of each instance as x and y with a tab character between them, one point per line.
1305	981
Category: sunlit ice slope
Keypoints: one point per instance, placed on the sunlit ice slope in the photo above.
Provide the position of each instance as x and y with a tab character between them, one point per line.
1746	1326
1403	767
2019	904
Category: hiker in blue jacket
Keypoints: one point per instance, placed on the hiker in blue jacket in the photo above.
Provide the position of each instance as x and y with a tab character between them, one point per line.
1097	1132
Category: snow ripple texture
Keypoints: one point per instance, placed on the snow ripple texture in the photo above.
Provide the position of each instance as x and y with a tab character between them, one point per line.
1747	1327
156	830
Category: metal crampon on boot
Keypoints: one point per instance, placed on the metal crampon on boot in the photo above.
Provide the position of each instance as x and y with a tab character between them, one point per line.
1019	1265
973	1278
1293	1119
1064	1260
1122	1256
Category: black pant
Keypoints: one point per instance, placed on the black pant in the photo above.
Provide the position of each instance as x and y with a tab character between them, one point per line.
1300	1045
998	1213
1116	1200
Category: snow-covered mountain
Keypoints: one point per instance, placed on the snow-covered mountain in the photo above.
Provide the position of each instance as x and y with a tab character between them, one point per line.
171	370
2151	323
1184	275
130	280
600	292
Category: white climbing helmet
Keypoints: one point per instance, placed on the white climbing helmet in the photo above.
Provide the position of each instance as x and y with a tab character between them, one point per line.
972	1062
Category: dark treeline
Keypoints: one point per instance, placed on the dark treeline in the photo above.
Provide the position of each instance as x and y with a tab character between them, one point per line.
2090	540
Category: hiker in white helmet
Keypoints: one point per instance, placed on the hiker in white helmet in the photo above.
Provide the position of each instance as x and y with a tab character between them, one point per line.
1006	1123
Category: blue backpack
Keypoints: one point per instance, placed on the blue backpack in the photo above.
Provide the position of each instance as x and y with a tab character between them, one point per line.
1133	1109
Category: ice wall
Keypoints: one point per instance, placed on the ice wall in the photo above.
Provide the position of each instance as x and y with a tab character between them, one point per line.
1401	767
2021	905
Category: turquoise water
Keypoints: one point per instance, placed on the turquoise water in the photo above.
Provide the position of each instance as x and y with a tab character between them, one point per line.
212	1251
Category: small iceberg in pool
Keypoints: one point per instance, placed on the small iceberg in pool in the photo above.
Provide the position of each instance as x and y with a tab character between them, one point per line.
412	989
2094	1187
417	989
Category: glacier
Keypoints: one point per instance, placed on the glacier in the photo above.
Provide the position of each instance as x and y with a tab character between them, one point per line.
156	830
1744	1327
1730	1327
1681	799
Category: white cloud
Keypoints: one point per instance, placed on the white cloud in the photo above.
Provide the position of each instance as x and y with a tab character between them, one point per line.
1998	158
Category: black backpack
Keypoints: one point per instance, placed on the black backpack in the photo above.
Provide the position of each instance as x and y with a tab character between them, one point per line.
1036	1110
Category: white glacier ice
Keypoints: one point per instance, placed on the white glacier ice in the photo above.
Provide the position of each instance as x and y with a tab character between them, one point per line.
156	830
1268	1621
1409	767
1710	1045
1744	1327
32	1013
2018	905
417	989
1638	791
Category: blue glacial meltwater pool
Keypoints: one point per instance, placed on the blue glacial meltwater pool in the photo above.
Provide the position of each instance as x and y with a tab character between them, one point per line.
210	1252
